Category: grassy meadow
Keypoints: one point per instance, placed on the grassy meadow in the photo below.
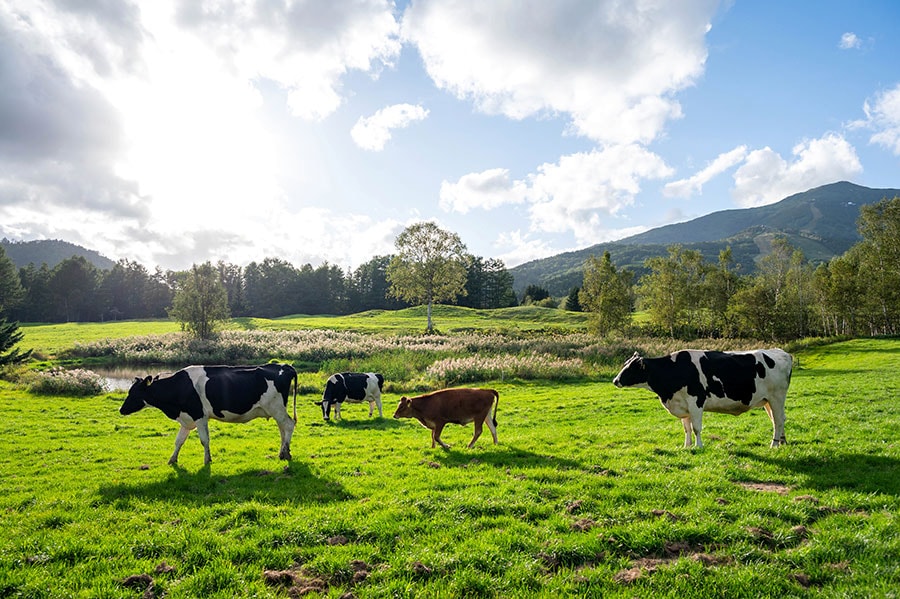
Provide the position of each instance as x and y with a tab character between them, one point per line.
588	494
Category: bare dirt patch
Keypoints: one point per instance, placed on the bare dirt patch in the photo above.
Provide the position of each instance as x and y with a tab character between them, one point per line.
779	488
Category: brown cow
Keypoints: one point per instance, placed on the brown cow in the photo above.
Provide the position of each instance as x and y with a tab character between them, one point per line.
456	406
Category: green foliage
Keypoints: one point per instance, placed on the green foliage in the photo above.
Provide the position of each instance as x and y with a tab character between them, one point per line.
429	266
10	335
201	302
11	291
588	494
607	294
76	382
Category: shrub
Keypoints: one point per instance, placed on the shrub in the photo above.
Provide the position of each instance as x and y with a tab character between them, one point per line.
57	381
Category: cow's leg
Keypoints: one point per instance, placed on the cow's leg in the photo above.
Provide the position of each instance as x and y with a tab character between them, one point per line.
436	435
697	425
488	420
180	438
688	439
378	405
478	427
203	431
286	428
776	415
337	411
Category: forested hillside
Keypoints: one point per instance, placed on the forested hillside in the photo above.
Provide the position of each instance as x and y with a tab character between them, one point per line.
820	222
50	252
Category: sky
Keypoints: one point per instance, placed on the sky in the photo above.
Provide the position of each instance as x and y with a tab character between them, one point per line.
174	133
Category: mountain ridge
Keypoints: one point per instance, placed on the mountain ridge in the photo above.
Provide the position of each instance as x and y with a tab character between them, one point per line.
821	222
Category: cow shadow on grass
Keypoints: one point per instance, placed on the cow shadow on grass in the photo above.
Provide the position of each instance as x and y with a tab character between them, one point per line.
506	456
863	473
371	424
290	484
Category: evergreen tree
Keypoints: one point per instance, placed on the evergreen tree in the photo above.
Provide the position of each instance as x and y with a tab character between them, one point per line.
11	291
10	335
572	303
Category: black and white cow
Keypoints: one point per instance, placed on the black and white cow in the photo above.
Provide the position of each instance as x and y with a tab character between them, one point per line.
194	395
689	382
352	387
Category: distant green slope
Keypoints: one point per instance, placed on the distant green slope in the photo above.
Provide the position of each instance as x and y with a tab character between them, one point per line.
51	252
821	222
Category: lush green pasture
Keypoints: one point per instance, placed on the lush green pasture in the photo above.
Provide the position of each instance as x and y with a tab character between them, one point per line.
49	339
588	494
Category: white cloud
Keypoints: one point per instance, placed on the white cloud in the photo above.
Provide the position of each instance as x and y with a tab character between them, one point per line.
371	133
611	66
307	47
883	116
849	41
582	192
765	177
486	190
685	188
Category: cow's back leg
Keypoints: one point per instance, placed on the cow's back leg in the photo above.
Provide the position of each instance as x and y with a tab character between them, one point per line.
775	410
180	438
377	405
203	431
479	423
489	420
436	435
286	429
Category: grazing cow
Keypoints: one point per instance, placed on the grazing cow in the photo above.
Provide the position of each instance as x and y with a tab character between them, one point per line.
689	382
194	395
352	387
454	406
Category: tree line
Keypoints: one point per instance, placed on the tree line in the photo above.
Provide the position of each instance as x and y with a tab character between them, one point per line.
76	291
788	297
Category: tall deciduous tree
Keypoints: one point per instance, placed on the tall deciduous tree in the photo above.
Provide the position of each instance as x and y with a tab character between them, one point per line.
670	291
429	267
201	301
879	226
607	294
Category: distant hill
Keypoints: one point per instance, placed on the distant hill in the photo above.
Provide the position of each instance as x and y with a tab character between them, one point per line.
51	252
821	222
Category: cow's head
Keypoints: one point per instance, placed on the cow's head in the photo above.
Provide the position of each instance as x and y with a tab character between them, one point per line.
326	408
632	373
404	408
137	396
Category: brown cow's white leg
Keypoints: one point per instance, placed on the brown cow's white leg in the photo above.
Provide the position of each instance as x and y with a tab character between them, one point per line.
180	438
490	422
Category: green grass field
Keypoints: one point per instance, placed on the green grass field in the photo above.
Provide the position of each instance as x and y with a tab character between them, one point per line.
588	494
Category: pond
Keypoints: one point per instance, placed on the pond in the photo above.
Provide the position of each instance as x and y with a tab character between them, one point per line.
120	378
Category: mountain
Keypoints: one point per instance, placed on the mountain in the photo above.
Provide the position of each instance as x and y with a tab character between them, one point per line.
51	252
821	222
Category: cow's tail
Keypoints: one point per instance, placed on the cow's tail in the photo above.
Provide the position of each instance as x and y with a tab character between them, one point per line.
295	397
496	405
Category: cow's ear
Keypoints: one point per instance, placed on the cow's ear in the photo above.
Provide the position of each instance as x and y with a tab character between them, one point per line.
148	380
